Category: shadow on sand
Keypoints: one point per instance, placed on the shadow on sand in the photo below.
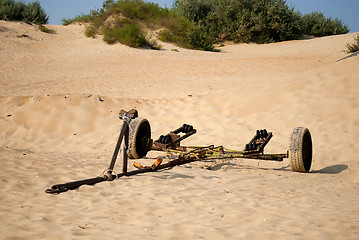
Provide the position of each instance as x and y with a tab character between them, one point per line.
335	169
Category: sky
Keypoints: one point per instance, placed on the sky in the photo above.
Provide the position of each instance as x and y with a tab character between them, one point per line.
345	10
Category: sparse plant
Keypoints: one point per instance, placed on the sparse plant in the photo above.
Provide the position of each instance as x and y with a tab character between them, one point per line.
23	36
90	31
81	18
67	21
45	29
354	46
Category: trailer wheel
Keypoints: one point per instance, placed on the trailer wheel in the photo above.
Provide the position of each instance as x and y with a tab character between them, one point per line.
300	150
139	138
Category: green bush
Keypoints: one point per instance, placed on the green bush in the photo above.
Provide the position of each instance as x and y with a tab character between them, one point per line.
317	24
258	21
129	34
267	21
353	47
243	20
90	31
196	10
11	10
192	36
19	11
137	9
34	13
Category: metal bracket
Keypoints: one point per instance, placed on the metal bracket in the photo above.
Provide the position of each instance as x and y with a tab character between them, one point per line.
172	140
126	116
258	142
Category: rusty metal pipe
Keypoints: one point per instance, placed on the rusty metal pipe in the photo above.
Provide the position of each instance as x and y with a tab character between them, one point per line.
59	188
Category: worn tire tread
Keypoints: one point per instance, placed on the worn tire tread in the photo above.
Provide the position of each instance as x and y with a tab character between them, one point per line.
300	158
134	131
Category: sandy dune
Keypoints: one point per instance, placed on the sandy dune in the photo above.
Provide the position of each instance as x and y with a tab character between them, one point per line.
55	129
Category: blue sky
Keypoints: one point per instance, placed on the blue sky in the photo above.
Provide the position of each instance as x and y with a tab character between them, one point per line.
346	10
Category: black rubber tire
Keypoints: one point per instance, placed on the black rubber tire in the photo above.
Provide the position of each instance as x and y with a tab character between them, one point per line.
300	150
139	139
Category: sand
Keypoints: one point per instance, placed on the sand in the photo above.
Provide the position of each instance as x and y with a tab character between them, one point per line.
54	129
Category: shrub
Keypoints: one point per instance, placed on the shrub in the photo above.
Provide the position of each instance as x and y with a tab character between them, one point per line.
129	34
267	21
258	21
195	10
90	31
353	47
35	14
198	37
317	24
137	9
243	20
193	37
19	11
11	10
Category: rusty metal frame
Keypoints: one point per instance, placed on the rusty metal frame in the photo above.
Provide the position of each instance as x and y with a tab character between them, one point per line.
184	154
218	152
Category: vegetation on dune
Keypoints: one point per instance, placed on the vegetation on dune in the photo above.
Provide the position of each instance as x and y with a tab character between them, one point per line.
19	11
199	24
80	18
194	24
318	25
129	34
260	21
354	46
129	21
45	29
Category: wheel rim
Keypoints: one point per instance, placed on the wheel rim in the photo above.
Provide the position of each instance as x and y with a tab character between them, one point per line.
307	150
142	139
